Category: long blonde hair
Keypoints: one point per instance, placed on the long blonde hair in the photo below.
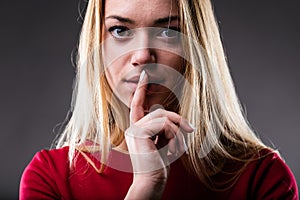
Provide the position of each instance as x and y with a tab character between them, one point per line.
222	133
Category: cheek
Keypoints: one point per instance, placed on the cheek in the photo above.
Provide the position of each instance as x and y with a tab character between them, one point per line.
112	75
113	72
177	63
108	77
173	61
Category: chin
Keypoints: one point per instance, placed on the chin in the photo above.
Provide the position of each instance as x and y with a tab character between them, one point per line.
168	102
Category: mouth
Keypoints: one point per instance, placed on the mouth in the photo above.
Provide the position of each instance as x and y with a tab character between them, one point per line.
154	85
152	80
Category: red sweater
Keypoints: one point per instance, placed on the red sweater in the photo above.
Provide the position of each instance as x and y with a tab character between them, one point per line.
48	176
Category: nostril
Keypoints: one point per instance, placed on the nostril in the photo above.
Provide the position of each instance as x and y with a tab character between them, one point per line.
142	57
135	64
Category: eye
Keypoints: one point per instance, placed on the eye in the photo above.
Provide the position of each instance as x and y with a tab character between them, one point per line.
120	32
171	32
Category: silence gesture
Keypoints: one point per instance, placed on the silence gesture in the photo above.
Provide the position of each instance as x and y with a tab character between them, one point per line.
150	138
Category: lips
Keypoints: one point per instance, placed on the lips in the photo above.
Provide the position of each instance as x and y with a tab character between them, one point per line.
154	83
134	79
152	80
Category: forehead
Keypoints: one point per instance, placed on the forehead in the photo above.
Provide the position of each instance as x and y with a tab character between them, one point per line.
141	9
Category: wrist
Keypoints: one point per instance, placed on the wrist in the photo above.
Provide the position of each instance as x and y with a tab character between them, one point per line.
149	180
145	187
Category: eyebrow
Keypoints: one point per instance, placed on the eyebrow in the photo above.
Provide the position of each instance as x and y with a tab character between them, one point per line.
166	20
156	22
121	19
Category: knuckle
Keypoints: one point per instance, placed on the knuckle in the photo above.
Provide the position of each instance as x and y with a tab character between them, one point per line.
134	104
161	112
166	121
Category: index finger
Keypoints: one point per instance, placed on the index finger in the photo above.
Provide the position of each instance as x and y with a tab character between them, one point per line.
137	103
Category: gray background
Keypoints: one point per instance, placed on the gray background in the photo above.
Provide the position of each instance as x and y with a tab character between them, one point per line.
37	37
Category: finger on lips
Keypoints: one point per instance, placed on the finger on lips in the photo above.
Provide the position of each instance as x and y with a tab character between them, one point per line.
136	107
160	124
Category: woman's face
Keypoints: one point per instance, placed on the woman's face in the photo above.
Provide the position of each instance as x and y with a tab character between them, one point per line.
142	35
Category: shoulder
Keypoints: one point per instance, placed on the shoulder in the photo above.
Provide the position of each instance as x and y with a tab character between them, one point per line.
51	154
269	177
55	160
46	174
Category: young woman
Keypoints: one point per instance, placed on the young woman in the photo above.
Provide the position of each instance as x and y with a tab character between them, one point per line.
155	114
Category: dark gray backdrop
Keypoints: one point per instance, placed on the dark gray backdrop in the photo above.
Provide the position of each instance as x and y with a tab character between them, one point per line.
37	38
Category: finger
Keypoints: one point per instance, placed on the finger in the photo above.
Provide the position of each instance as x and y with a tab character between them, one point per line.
173	137
169	134
172	116
180	141
152	128
136	107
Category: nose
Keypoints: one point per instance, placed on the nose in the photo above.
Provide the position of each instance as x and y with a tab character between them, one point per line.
142	54
142	57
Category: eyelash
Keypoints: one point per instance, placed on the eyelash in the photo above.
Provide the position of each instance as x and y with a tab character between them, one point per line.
174	30
124	29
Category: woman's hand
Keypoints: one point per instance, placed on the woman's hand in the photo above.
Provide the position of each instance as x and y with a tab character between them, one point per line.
150	138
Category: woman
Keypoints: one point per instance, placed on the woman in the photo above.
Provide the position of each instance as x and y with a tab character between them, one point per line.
155	114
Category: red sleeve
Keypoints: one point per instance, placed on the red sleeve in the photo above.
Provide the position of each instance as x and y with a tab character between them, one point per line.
43	178
272	179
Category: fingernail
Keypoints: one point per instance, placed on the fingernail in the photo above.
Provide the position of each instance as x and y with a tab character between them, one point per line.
142	75
185	146
192	126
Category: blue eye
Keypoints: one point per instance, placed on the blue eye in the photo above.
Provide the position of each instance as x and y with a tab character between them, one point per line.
120	32
169	33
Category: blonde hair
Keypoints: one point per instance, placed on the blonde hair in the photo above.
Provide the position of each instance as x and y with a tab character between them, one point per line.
222	133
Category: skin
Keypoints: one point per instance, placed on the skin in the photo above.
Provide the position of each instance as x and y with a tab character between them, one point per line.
130	48
153	134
